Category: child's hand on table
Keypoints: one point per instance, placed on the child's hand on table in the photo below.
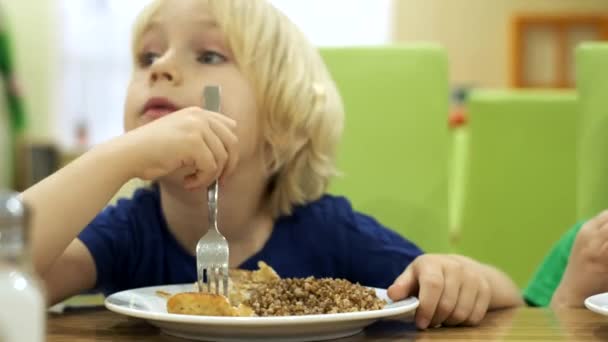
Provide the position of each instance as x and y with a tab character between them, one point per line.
452	290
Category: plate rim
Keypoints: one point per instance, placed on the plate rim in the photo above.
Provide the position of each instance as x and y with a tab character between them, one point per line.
594	307
411	303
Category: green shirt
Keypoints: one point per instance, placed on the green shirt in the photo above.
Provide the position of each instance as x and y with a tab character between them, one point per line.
548	276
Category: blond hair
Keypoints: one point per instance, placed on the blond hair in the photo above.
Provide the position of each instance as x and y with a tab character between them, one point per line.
301	111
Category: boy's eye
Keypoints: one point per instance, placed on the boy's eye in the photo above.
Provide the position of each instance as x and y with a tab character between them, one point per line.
147	58
211	57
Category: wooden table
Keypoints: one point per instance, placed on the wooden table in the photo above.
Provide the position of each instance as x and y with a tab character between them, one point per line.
523	324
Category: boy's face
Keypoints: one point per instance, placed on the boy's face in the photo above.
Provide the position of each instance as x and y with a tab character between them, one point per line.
180	51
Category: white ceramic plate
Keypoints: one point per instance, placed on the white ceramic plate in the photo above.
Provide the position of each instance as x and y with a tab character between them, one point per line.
146	304
598	303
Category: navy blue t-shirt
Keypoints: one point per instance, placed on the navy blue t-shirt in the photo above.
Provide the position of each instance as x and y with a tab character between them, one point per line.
133	247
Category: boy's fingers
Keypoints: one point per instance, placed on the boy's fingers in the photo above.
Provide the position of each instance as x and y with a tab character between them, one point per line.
224	119
204	161
449	298
405	285
218	150
466	302
230	143
482	303
431	281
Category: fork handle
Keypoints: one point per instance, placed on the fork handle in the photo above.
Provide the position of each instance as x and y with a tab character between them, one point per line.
211	101
212	203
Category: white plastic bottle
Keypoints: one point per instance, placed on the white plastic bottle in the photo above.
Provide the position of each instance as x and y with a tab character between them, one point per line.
22	304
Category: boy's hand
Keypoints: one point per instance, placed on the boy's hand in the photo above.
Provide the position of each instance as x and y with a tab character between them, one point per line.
587	270
452	290
190	137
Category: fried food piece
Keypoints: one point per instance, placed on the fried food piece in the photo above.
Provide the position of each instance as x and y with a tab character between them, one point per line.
205	304
242	283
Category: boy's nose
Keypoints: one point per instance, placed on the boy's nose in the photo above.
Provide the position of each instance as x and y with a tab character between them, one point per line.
164	70
166	75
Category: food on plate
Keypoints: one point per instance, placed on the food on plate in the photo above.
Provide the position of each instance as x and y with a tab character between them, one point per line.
264	293
205	304
311	296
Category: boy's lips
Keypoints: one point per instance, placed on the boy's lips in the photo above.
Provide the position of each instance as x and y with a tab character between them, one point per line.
158	107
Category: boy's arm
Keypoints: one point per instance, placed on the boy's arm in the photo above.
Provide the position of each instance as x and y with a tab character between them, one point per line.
72	273
65	202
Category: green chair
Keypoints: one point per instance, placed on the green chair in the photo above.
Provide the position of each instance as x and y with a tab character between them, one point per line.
393	155
521	177
592	84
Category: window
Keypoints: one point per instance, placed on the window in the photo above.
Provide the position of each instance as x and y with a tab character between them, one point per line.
543	47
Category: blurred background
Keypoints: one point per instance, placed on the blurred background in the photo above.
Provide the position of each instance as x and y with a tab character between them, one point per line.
65	65
71	57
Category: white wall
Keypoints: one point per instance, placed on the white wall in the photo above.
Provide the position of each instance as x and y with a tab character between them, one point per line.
341	22
94	63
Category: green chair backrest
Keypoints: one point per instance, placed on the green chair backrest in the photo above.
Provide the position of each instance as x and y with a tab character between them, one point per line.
393	155
592	84
521	177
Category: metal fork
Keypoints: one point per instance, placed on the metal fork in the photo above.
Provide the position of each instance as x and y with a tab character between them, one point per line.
212	249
